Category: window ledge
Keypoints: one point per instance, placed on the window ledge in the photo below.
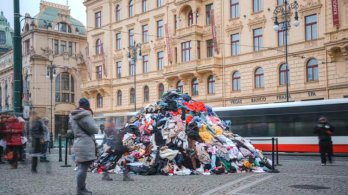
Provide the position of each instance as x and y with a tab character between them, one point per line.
257	12
314	81
237	91
236	18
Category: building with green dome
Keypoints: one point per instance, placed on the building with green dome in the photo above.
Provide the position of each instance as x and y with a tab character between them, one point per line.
53	38
6	34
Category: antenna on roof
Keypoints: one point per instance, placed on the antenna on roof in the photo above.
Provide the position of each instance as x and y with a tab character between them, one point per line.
67	2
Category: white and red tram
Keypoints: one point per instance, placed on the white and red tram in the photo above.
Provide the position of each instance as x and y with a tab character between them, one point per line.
292	123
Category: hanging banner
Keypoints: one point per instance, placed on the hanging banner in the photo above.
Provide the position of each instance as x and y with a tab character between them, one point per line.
168	45
103	56
213	31
88	63
335	14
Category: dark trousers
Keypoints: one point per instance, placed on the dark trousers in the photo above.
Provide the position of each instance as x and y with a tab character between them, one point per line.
82	175
44	150
325	148
15	150
1	153
37	150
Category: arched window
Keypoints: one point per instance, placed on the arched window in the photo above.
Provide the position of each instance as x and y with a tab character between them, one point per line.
194	87
312	70
98	47
146	94
180	86
190	18
63	27
211	84
144	4
65	88
118	13
131	8
160	90
236	81
99	101
119	97
132	96
283	74
259	80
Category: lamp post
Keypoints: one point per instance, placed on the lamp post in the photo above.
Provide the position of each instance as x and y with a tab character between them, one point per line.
285	11
134	54
51	74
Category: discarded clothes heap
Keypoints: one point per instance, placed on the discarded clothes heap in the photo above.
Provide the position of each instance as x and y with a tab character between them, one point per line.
180	136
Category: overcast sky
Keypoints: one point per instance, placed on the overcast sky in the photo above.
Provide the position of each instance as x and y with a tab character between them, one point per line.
77	9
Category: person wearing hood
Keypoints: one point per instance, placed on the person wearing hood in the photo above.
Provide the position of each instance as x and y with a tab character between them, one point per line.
324	130
45	145
37	135
84	127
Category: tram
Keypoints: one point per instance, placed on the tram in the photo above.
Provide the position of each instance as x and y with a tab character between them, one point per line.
292	123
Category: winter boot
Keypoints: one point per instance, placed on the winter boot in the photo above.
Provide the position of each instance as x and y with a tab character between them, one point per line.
126	176
106	177
83	191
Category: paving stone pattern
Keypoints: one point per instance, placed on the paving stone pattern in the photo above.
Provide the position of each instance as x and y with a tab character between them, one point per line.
295	170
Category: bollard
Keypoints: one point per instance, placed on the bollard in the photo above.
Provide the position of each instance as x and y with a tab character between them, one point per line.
66	152
273	153
60	147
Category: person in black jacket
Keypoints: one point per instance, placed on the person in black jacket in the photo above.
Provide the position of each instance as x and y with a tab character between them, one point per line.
37	135
324	130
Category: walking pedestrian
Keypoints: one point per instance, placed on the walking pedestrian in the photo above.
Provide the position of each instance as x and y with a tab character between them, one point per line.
37	134
84	128
45	145
108	145
324	130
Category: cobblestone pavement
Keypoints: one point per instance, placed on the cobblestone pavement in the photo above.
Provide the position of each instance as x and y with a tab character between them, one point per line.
295	171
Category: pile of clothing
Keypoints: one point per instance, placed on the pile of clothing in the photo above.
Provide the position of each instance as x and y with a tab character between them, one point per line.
180	136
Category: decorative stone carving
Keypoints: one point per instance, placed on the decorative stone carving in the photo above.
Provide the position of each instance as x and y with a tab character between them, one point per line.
160	44
47	51
257	21
310	6
234	25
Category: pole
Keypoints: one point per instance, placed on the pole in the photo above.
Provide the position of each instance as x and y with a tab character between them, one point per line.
135	81
60	147
51	79
277	155
286	49
66	153
17	60
272	153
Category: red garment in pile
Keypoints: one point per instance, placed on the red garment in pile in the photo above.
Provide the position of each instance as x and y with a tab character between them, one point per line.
195	106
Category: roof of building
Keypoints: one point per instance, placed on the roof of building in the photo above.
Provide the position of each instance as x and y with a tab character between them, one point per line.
51	13
6	33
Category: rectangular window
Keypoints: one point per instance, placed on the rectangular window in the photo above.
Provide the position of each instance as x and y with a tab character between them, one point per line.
26	47
280	2
175	22
131	68
70	48
131	8
257	5
208	8
234	10
281	34
118	41
186	51
160	29
118	69
56	47
198	50
160	61
258	39
62	46
176	54
145	64
311	27
235	47
145	33
144	5
98	19
160	3
131	37
210	48
99	72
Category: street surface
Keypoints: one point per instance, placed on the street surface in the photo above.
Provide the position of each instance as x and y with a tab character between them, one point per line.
298	175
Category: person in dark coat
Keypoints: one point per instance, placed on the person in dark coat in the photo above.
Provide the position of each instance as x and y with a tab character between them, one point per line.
37	135
84	127
324	130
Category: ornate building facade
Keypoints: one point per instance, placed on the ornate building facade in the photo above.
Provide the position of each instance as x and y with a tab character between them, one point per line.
6	64
53	37
226	57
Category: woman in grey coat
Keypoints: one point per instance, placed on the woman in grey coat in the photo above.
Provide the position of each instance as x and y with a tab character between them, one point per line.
84	128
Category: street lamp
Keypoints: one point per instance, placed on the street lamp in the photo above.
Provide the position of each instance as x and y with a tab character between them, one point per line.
51	74
285	11
134	54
